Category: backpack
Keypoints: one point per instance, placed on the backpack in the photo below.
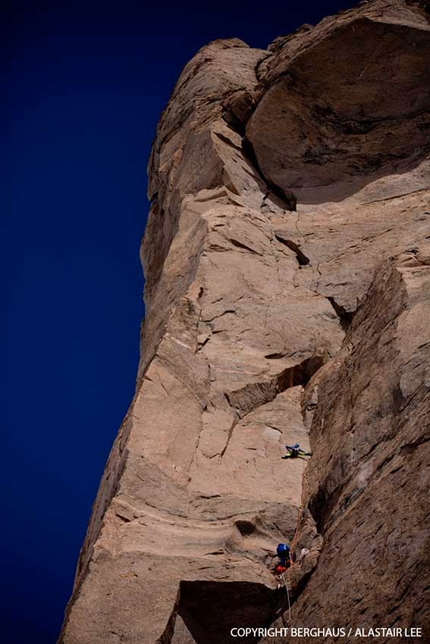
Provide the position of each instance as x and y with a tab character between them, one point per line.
283	551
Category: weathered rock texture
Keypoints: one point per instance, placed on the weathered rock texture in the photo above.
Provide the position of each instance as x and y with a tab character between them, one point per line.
287	263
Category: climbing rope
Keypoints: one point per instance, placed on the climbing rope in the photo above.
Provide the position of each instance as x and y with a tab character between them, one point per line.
288	596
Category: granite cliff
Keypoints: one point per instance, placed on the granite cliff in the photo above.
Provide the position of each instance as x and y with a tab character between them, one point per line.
287	297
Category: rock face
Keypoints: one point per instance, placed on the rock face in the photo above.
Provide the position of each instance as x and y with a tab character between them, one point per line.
367	483
287	263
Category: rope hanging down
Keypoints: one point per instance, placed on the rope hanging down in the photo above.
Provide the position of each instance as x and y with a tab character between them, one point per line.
288	596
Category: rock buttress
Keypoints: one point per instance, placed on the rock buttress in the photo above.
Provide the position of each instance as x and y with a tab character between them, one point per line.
266	225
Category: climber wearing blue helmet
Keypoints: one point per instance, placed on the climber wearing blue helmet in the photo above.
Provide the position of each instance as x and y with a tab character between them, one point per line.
283	552
295	451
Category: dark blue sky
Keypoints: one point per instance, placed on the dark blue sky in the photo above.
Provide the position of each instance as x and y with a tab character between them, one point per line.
83	86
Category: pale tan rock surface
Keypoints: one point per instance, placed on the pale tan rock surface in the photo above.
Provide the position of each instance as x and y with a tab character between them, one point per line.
290	206
367	482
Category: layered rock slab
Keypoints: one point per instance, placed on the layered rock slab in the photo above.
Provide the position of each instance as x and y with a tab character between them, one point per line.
248	294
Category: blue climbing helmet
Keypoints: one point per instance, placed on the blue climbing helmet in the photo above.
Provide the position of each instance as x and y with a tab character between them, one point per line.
283	550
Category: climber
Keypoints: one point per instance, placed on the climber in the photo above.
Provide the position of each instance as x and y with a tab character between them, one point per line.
295	451
283	552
